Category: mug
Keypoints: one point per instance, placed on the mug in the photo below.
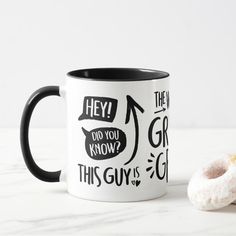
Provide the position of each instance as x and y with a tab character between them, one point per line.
117	131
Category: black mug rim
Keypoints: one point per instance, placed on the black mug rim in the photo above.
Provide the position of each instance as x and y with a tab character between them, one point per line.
121	74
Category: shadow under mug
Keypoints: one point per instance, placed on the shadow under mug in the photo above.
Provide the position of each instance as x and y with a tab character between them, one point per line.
117	130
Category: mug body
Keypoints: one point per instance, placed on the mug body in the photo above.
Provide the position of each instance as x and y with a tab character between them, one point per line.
117	130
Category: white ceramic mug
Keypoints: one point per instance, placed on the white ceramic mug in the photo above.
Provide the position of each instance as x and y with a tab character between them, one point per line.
117	126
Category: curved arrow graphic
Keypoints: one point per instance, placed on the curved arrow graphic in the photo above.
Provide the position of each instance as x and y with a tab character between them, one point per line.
132	105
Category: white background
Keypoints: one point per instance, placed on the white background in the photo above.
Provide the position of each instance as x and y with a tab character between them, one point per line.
193	40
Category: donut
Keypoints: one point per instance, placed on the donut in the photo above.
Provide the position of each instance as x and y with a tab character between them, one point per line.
214	185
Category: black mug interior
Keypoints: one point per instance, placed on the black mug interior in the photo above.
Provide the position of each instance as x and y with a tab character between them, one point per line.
118	74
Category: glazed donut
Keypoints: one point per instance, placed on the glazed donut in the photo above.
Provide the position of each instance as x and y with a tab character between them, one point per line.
214	186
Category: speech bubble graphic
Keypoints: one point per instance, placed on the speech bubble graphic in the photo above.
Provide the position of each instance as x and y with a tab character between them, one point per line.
99	108
104	143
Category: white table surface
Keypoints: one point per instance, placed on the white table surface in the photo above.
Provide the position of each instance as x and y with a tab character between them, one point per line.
29	206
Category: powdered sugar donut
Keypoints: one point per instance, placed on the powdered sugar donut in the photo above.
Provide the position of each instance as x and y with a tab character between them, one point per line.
214	186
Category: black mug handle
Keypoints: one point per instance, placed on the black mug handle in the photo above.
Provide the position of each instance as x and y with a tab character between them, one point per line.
24	134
